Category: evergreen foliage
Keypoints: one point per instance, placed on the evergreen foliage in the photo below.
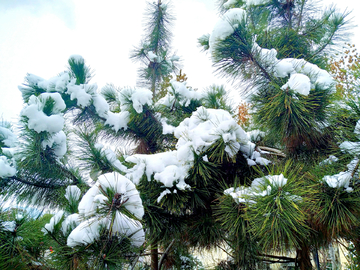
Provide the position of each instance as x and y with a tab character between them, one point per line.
267	47
154	52
134	171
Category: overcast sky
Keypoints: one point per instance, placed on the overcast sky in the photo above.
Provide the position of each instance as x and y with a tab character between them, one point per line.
38	36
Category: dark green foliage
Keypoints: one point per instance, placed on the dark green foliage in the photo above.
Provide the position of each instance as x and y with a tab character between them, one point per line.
156	41
216	98
79	70
43	175
345	116
159	21
108	252
295	30
336	208
293	119
24	247
91	155
233	54
284	225
232	217
48	106
31	88
182	258
302	214
334	211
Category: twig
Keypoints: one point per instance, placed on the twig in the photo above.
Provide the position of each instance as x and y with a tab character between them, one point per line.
275	151
224	251
165	253
278	257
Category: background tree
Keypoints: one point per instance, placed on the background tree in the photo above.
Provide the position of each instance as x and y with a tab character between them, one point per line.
346	71
154	52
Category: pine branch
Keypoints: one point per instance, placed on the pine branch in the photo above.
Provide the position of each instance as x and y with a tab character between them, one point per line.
289	259
166	251
36	184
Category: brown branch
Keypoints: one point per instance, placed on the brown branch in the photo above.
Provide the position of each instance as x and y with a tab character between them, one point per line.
278	257
225	251
165	253
273	150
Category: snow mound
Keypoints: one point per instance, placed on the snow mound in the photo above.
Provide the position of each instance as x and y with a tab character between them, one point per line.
130	197
38	120
99	214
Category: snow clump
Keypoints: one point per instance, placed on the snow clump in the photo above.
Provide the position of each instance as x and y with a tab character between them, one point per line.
95	199
72	193
304	76
6	169
179	92
38	120
7	137
195	135
57	142
225	26
49	227
260	187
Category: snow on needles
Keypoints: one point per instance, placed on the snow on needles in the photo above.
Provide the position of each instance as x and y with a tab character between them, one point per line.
7	137
178	92
225	26
136	98
263	186
342	179
38	120
195	135
57	142
82	93
304	76
95	210
85	95
72	193
121	185
206	126
7	161
6	168
96	214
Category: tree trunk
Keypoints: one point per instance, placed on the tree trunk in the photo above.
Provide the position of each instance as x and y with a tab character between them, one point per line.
154	256
303	258
316	259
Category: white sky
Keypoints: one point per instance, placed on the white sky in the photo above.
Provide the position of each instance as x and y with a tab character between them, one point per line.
38	36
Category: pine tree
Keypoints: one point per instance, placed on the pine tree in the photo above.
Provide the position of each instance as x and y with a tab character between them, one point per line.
186	148
178	173
279	50
154	52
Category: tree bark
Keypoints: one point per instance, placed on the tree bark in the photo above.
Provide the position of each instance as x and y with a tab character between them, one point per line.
154	256
303	258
